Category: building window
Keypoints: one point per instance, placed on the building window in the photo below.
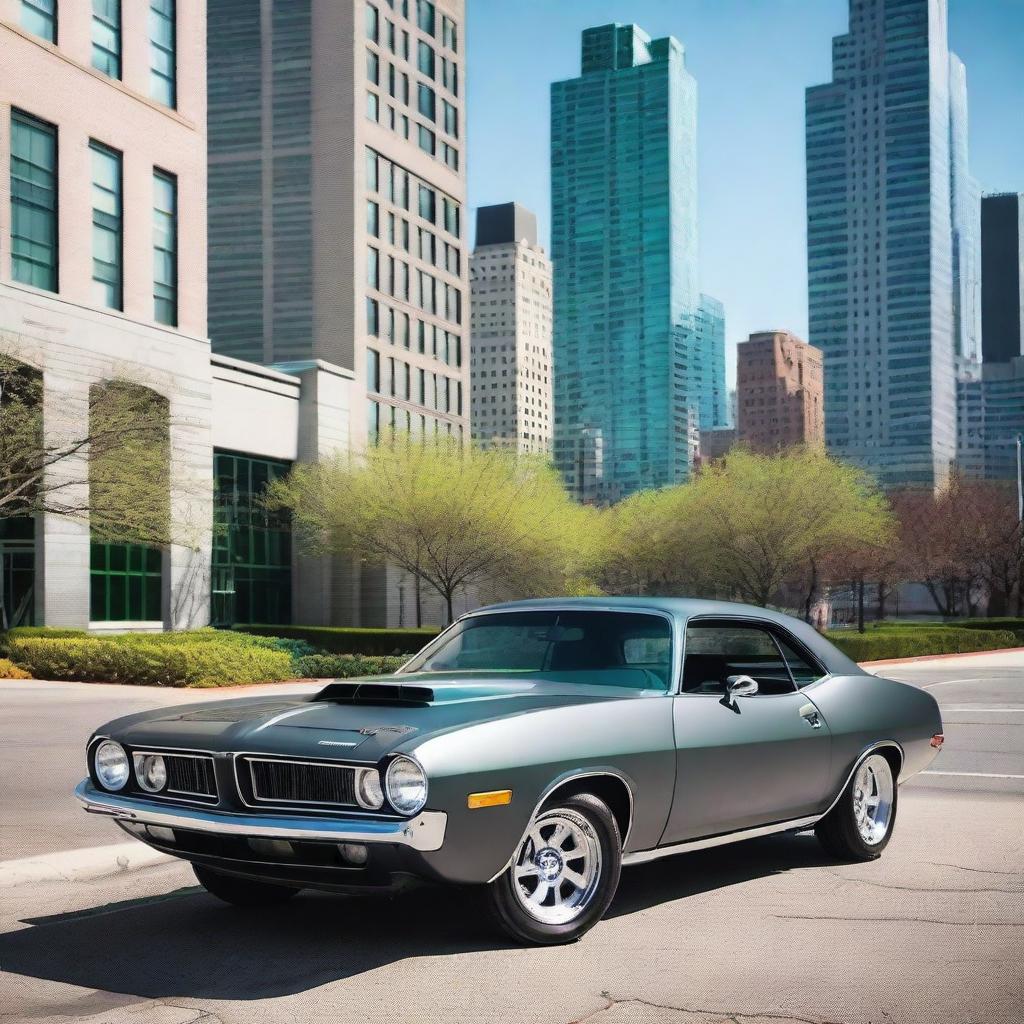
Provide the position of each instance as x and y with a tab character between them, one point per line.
40	18
372	23
425	58
125	583
373	67
373	218
165	248
252	557
106	226
451	120
426	139
451	217
426	103
425	16
372	317
106	37
33	201
373	106
450	36
373	267
373	421
162	45
373	370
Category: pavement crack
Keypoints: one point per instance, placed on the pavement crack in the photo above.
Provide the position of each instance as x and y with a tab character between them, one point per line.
735	1016
965	891
980	871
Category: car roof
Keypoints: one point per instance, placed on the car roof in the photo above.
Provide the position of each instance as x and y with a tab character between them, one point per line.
684	608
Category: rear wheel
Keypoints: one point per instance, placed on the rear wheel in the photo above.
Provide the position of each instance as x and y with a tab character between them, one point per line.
564	874
860	825
241	892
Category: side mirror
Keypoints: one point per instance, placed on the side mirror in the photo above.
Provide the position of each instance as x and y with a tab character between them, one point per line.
738	686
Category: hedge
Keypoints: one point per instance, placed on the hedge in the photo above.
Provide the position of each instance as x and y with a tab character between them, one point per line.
8	670
199	658
347	640
345	666
886	642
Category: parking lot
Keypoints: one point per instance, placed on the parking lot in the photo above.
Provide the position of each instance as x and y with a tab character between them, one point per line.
769	930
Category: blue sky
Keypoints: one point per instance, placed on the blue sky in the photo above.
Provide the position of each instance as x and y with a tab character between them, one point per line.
752	60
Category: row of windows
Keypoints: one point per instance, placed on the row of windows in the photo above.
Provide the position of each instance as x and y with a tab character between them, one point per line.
405	421
432	250
395	183
34	220
397	379
394	326
40	18
391	276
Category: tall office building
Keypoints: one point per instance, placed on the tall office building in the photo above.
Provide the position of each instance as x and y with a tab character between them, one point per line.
337	185
637	348
510	347
779	392
1002	282
892	240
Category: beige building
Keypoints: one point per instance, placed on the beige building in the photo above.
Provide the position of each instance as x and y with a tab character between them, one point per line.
510	279
779	392
103	274
337	225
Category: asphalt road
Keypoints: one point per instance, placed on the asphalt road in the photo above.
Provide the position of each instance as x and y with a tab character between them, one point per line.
767	931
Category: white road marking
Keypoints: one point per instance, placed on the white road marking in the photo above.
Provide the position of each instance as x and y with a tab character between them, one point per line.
951	682
80	865
1001	711
975	775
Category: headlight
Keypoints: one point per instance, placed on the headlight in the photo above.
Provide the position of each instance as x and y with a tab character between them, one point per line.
111	764
150	771
406	785
368	791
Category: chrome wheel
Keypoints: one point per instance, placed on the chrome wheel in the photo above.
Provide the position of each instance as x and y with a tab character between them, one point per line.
873	799
558	867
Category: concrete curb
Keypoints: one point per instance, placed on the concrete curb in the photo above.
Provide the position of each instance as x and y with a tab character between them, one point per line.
80	865
942	657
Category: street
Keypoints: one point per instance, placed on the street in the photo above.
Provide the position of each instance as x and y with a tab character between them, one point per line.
768	930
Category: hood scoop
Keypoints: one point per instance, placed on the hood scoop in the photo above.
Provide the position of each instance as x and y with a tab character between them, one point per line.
389	694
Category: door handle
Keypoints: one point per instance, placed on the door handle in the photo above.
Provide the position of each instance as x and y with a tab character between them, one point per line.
809	713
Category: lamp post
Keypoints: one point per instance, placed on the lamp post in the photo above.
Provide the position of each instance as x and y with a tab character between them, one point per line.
1020	478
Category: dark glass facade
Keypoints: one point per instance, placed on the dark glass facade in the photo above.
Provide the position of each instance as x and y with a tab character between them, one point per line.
125	583
252	552
1002	281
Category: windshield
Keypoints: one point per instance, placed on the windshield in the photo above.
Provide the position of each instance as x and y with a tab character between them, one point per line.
603	648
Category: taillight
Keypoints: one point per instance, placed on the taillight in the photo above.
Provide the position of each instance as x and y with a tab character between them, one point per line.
937	740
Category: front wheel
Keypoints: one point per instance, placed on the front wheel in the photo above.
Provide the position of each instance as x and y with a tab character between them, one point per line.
241	892
860	825
564	874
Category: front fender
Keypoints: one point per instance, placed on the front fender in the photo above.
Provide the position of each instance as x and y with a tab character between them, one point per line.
532	754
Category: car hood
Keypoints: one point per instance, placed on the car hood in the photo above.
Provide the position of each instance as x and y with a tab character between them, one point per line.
361	719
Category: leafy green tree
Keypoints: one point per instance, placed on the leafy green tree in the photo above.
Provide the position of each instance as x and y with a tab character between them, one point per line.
757	520
452	516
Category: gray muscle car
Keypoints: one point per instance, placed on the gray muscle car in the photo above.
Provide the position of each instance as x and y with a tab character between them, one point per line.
531	750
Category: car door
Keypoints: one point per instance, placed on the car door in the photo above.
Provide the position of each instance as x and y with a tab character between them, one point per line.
758	759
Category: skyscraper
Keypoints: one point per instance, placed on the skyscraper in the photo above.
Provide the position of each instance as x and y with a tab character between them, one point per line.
337	185
892	239
1002	266
637	348
510	348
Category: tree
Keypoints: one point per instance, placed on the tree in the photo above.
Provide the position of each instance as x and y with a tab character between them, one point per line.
759	520
109	467
452	516
962	539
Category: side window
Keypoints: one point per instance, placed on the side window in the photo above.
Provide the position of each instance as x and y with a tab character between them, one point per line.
717	650
804	670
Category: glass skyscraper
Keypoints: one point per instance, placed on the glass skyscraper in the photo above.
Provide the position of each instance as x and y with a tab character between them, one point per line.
892	238
638	351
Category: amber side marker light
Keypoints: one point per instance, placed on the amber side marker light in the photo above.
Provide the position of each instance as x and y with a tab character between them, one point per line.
495	798
937	740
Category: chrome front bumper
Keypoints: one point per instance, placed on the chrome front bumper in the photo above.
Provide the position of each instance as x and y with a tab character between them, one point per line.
425	832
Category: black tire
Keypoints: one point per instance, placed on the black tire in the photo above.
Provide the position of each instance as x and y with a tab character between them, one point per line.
838	831
241	892
592	815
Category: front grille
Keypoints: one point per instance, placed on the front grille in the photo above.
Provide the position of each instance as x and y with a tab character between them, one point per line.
302	782
190	775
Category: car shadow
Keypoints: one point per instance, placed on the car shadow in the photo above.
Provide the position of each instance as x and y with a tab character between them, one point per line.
188	944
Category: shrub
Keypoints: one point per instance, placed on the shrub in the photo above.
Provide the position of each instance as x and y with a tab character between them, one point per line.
54	632
883	642
8	670
346	640
200	658
345	666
